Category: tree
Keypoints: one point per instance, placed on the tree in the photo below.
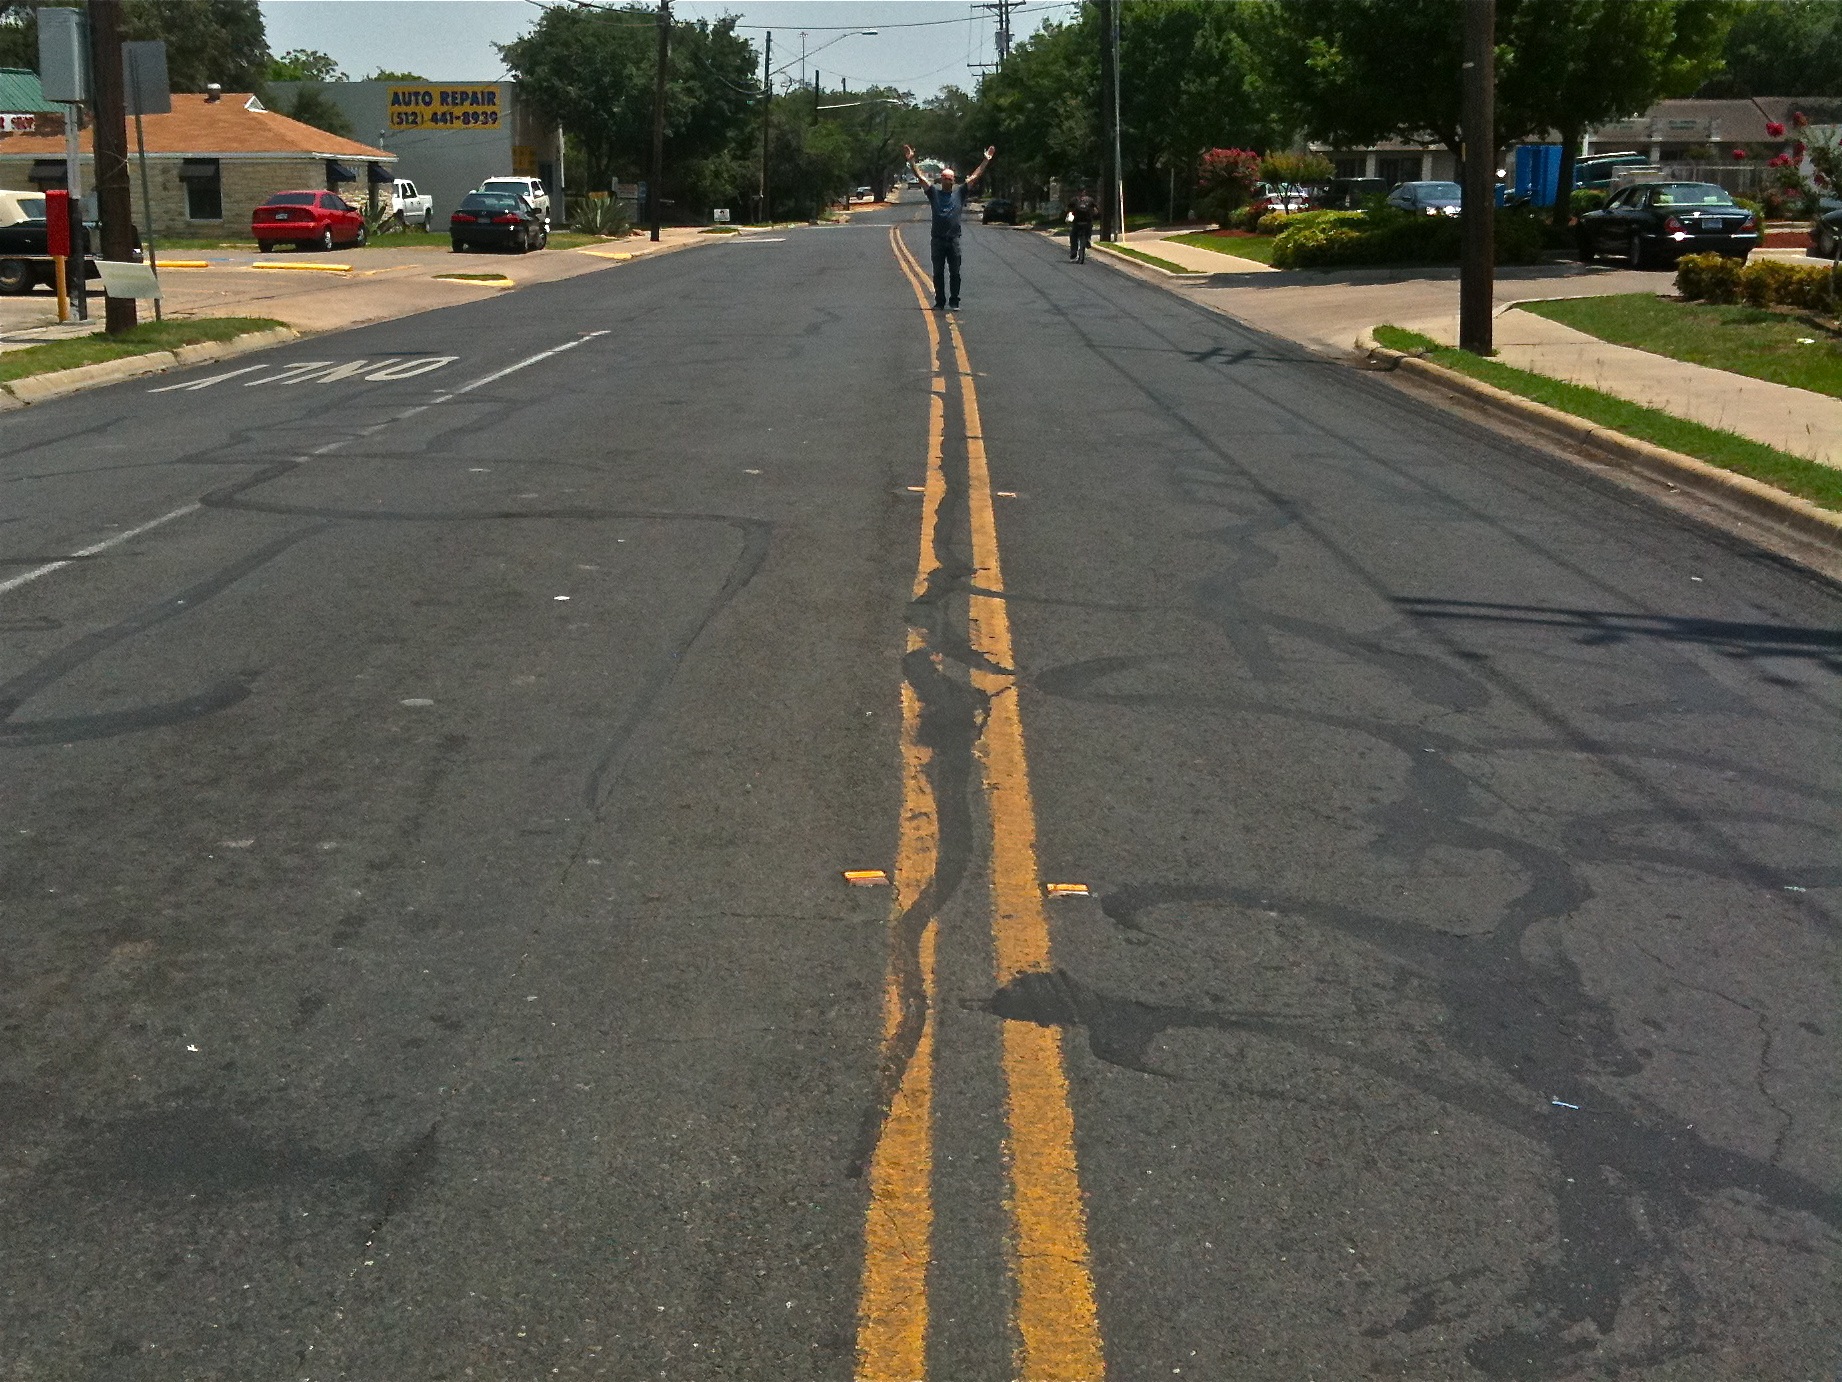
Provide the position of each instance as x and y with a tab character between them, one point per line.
311	106
220	41
1782	48
304	65
592	71
382	75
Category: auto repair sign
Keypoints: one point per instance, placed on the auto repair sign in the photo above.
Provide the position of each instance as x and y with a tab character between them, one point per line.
436	106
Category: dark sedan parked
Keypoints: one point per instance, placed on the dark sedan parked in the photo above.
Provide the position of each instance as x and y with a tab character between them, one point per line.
496	220
1000	209
1653	224
1826	229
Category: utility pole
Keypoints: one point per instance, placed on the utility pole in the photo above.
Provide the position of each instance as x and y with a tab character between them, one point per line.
1109	117
1001	8
1477	261
1119	170
658	117
767	107
109	139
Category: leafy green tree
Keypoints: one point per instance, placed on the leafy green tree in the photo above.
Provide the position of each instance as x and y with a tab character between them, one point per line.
311	106
384	75
304	65
592	71
207	41
1336	69
1782	48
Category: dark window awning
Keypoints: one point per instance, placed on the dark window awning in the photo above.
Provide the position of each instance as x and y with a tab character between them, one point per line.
198	170
47	170
377	172
338	172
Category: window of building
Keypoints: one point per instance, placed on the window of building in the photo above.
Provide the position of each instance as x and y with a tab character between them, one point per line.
1395	170
204	189
1351	167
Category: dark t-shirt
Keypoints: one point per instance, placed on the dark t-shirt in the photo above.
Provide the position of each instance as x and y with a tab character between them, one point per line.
1084	209
947	206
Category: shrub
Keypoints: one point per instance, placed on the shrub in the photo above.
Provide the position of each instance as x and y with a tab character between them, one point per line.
1763	283
1226	180
1586	199
1708	277
1345	239
1247	218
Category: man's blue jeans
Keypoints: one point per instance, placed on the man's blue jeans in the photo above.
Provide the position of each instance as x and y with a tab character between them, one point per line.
946	270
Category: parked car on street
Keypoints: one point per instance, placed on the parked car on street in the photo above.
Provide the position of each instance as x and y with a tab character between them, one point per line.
307	220
1597	172
1001	209
1653	224
531	189
411	208
498	221
863	194
1428	198
23	257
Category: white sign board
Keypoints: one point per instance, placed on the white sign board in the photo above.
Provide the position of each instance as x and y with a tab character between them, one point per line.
18	124
720	215
128	280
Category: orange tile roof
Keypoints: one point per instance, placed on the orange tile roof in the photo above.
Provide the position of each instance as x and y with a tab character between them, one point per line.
210	129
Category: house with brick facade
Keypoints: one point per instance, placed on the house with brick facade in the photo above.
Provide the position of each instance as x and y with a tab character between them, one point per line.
210	162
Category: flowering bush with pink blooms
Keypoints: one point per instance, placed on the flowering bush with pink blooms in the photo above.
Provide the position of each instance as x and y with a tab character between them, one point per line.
1226	180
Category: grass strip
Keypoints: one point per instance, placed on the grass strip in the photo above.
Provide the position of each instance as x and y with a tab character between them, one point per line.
1753	341
142	340
1258	248
1818	483
1144	258
476	278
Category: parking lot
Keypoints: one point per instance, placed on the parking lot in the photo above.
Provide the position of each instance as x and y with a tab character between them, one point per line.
346	287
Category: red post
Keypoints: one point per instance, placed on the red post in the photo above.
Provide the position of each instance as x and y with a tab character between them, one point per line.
57	244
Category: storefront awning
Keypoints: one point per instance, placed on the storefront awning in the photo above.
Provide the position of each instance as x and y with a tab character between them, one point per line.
338	172
198	170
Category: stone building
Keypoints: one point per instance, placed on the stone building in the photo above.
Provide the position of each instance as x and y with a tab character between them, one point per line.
210	162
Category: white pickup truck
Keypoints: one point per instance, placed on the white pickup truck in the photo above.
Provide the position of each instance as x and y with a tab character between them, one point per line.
531	189
410	207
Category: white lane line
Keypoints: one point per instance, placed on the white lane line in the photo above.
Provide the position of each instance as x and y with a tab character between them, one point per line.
522	364
27	577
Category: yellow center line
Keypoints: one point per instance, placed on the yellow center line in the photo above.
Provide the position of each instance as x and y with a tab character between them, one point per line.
1057	1320
898	1226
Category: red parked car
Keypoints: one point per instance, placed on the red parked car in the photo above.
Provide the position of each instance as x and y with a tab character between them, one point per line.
307	220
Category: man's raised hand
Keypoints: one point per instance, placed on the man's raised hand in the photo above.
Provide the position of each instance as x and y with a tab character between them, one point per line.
991	152
908	152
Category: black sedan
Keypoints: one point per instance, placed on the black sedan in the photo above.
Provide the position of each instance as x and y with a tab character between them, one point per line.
498	221
1826	229
1653	224
1001	209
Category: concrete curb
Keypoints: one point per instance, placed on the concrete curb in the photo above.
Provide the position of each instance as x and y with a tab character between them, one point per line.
1722	487
1151	273
40	388
1112	253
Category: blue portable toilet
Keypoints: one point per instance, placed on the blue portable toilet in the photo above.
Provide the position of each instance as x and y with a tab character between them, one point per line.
1538	172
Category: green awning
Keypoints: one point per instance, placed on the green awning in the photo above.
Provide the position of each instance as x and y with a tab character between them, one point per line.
20	94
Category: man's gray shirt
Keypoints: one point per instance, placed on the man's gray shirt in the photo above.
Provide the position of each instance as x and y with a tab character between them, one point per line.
947	204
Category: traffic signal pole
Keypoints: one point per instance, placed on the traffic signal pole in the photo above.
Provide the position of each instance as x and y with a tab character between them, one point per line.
1477	250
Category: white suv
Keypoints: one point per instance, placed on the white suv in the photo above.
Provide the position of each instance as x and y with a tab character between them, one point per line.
531	189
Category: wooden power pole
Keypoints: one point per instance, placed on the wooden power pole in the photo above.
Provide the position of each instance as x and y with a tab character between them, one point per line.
1109	115
109	139
1477	261
658	117
767	113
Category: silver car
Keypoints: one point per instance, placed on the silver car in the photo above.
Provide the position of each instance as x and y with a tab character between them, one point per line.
1427	198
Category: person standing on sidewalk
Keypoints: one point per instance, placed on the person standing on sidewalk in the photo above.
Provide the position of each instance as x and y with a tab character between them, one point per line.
1081	212
947	201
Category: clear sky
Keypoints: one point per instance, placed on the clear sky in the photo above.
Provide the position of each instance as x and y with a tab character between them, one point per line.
451	40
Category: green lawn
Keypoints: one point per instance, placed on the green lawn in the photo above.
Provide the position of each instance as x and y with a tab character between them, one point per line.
1820	484
1144	258
1743	340
1256	247
150	336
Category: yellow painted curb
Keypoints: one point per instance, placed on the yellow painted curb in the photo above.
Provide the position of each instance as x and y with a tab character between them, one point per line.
185	263
607	254
497	281
306	268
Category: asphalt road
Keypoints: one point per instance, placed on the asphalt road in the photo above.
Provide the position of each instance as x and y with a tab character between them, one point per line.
425	952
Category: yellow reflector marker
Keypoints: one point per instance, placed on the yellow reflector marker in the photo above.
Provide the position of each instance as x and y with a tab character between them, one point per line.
866	878
1067	890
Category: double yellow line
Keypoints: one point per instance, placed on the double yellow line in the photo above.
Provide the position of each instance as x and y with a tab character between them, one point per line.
1057	1324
